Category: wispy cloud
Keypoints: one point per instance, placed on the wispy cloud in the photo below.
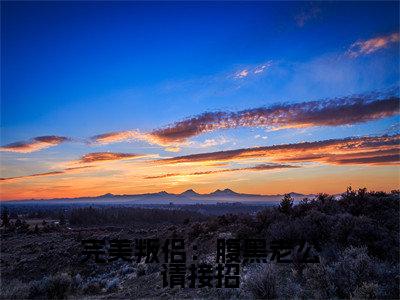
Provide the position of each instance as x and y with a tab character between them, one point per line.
335	151
52	173
212	142
241	74
172	148
36	144
108	156
118	136
365	47
262	68
253	70
90	158
258	136
260	167
135	135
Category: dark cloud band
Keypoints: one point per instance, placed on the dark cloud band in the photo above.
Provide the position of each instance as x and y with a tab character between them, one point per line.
335	151
36	144
260	167
334	112
107	156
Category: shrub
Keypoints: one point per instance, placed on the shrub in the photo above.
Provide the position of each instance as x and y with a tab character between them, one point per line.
353	274
263	281
14	290
318	282
127	269
112	285
77	282
93	286
353	269
53	287
141	270
369	290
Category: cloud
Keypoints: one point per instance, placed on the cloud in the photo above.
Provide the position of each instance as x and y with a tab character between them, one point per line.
77	168
333	112
172	149
335	151
373	160
117	136
212	142
89	158
258	136
131	135
67	170
254	70
365	47
33	175
379	157
107	156
260	167
36	144
260	69
242	73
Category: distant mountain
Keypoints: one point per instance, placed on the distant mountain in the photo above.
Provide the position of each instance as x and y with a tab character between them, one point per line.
162	193
106	195
187	197
190	193
225	192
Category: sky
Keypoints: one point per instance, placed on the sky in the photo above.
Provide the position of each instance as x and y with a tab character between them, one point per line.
141	97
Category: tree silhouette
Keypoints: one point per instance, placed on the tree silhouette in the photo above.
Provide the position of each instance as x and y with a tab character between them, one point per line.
286	204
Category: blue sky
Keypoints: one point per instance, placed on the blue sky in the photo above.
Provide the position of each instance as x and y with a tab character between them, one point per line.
81	69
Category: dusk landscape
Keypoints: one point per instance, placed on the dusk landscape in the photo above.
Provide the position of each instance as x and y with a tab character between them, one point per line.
212	124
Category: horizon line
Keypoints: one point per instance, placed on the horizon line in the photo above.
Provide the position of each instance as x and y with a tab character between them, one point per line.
182	194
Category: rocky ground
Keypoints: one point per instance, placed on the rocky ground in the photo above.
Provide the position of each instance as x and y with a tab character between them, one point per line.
49	264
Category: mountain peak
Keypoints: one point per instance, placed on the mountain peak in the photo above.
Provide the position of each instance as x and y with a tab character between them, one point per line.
106	195
189	192
225	192
162	193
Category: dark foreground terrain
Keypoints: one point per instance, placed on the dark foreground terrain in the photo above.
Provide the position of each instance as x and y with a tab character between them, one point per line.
357	236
